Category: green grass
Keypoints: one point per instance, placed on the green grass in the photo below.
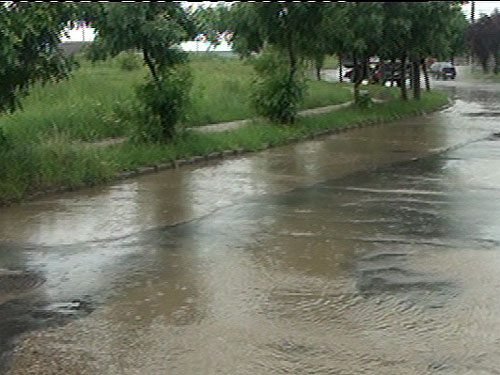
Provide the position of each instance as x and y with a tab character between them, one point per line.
45	148
82	107
489	77
56	161
259	134
88	105
221	91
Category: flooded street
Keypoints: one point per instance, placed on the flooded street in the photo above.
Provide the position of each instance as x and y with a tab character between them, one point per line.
374	251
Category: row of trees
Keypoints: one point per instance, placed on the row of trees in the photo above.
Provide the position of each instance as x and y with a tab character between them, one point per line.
30	50
284	35
483	37
407	32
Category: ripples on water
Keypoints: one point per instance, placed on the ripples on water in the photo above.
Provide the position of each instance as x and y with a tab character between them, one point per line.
393	271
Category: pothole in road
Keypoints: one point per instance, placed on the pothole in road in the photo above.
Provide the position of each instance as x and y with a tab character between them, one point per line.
482	114
14	283
61	310
494	136
23	315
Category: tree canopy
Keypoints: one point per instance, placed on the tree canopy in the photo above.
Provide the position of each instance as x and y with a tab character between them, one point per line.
483	37
29	47
296	31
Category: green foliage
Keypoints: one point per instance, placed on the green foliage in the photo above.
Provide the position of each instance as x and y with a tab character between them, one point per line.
165	100
293	27
129	61
99	101
29	53
212	23
276	93
246	38
152	28
365	100
4	142
483	37
289	28
155	29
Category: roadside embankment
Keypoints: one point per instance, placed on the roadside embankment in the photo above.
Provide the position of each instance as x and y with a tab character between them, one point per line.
62	165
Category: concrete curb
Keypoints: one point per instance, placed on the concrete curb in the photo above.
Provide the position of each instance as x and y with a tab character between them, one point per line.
228	154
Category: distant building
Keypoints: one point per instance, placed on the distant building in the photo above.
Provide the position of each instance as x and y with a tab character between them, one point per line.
70	48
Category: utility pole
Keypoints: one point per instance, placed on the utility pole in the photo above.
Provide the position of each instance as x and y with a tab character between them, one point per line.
472	19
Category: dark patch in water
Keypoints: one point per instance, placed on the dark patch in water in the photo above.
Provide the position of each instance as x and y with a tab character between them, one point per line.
384	283
482	114
494	136
384	256
20	316
16	281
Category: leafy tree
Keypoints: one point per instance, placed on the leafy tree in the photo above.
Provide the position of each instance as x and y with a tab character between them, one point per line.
29	48
275	95
414	31
435	26
246	38
290	28
212	23
457	31
480	37
330	40
363	38
396	32
155	30
483	37
495	42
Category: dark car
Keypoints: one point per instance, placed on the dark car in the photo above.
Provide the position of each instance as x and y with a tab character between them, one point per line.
443	70
349	72
388	71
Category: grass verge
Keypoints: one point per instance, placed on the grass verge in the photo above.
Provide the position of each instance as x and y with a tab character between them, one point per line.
97	101
56	163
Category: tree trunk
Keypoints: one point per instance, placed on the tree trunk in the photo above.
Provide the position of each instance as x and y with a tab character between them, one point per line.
416	78
404	92
318	65
357	81
290	119
496	59
426	75
150	64
319	62
341	72
365	70
382	69
484	64
393	69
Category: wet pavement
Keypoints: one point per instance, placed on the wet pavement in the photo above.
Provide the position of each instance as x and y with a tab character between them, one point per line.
374	251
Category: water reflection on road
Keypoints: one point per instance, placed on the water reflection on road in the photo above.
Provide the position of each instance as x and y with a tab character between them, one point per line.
353	253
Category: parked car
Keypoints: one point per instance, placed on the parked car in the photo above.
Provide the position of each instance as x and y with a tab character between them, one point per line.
388	71
349	71
443	70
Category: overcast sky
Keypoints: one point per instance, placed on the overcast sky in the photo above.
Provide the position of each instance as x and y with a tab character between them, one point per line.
481	7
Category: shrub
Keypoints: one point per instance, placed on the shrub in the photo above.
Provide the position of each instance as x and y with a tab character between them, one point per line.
129	61
4	142
164	103
364	100
276	93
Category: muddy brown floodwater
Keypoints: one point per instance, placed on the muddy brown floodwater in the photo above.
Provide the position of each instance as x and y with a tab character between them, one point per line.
374	251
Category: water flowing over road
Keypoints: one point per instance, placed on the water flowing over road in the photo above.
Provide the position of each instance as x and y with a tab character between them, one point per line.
375	251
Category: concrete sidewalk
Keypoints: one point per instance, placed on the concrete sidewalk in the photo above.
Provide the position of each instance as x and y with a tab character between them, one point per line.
225	126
